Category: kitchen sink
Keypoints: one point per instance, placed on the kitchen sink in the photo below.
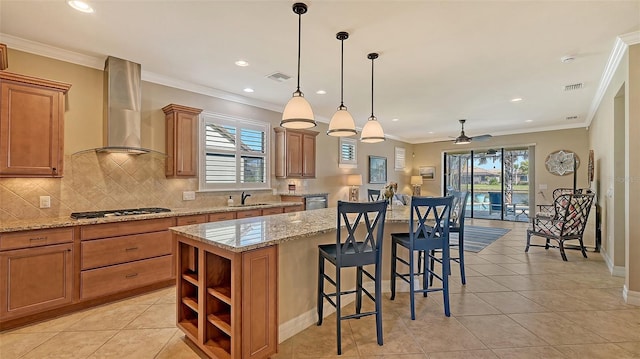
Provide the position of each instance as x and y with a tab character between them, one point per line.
250	205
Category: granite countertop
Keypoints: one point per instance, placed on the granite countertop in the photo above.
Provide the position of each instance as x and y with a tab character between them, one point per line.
250	233
45	223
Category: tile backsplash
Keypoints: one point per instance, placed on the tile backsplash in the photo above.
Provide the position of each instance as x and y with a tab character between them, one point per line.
100	181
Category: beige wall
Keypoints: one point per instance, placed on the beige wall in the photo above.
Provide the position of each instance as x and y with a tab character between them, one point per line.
618	170
609	166
103	181
430	154
632	176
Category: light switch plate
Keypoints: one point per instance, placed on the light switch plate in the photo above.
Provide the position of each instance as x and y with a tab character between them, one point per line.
188	195
542	186
45	201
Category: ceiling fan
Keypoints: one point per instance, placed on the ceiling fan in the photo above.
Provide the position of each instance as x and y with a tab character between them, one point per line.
464	139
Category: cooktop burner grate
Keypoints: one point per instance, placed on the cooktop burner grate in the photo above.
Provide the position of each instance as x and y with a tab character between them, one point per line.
118	212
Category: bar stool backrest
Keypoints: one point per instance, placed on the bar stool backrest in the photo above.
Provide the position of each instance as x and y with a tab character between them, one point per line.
429	221
364	246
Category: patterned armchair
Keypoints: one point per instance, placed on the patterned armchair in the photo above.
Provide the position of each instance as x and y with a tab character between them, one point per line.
549	210
567	223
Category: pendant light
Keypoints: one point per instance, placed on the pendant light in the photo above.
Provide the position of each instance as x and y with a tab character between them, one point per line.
342	123
372	131
297	113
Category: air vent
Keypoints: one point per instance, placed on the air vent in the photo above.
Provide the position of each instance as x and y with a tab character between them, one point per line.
278	77
571	118
573	87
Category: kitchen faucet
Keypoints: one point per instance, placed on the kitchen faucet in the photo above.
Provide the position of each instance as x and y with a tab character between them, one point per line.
244	197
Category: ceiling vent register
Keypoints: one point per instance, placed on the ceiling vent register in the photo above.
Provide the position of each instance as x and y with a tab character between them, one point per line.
574	87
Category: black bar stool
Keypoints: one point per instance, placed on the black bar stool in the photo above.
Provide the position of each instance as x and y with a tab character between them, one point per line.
428	231
456	225
354	253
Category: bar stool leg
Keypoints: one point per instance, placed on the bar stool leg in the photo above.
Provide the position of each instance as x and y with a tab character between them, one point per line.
320	288
358	290
338	315
394	251
378	295
411	287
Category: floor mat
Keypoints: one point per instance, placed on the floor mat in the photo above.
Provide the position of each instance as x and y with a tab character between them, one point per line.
477	238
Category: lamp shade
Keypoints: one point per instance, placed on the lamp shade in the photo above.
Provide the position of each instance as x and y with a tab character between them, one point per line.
298	113
342	124
372	131
416	180
354	180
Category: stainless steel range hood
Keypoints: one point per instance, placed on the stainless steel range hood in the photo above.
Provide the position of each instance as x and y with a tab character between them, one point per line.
122	104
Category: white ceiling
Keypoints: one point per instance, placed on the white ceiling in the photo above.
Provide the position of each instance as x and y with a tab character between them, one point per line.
439	60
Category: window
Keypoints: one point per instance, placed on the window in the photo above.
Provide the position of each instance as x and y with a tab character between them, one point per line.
348	153
234	153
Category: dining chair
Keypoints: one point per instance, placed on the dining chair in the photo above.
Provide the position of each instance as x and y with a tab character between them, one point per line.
429	224
373	195
362	246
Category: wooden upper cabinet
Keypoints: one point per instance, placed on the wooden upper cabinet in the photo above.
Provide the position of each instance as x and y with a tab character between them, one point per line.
182	140
31	126
295	153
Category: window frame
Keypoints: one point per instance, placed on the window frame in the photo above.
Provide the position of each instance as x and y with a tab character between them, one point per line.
238	122
344	162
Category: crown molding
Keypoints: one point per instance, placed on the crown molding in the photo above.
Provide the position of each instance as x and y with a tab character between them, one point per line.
97	62
617	53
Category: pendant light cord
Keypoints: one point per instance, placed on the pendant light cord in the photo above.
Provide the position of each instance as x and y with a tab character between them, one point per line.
372	86
299	45
341	73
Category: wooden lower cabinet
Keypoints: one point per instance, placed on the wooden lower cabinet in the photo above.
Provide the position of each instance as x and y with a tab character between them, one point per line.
35	279
227	305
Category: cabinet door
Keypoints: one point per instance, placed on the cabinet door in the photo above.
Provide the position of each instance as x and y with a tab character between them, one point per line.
31	131
186	144
294	154
309	156
35	279
260	302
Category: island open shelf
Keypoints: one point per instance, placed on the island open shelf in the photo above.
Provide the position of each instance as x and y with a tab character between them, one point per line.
227	301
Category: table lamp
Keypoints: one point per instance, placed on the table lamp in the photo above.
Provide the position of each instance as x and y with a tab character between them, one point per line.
354	181
416	182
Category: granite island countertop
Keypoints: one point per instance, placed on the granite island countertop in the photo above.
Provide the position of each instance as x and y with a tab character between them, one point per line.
251	233
60	222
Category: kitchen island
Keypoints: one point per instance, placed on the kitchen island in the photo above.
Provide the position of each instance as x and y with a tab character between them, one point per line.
244	285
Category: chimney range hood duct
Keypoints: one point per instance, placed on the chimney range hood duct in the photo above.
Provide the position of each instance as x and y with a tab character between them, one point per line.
122	103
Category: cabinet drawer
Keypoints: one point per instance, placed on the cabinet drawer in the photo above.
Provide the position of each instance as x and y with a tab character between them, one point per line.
292	209
121	277
250	213
222	216
37	238
186	220
270	211
124	228
103	252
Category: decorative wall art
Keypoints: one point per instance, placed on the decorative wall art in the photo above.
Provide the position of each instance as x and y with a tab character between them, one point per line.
560	163
377	169
428	173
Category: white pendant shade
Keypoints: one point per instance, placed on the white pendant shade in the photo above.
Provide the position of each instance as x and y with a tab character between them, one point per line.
298	113
342	124
372	131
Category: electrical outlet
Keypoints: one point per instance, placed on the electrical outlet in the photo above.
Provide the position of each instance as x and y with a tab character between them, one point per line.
45	201
188	195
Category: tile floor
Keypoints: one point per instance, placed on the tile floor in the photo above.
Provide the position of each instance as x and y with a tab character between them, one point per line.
515	305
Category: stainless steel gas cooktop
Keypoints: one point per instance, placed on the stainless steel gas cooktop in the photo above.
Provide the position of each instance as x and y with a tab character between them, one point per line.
117	212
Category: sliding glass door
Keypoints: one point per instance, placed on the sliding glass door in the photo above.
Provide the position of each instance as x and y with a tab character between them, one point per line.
497	180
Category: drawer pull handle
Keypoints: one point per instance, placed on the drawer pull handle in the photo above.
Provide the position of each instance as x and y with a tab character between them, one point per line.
131	275
38	238
131	249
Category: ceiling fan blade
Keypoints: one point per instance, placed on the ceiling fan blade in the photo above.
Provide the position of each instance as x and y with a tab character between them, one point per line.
481	137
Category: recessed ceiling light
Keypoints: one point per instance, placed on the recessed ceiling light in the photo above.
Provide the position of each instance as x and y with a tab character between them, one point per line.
431	132
80	6
567	59
528	120
242	63
395	119
321	92
516	99
248	89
